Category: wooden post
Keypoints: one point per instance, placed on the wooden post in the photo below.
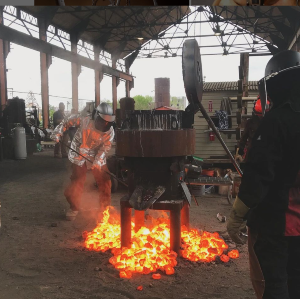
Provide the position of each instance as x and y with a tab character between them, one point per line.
114	87
45	63
127	85
75	73
97	77
4	49
244	63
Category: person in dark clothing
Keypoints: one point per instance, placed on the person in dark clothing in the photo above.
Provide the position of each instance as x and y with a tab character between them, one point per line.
250	128
72	130
60	149
269	194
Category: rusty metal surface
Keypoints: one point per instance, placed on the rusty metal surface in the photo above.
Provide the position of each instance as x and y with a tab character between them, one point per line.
153	119
155	143
126	103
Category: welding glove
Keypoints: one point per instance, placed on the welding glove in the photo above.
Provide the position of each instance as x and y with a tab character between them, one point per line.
96	165
55	137
236	221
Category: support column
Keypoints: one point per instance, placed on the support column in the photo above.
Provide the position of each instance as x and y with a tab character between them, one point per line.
175	229
75	73
125	224
114	87
139	218
98	77
185	215
45	61
127	85
244	63
4	49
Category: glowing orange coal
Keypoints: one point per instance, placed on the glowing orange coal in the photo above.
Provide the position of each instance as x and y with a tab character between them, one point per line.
150	247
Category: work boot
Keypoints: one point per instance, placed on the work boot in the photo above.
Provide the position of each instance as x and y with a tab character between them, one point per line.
71	214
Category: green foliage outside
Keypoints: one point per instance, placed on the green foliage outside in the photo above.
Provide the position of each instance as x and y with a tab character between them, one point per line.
51	111
177	102
143	102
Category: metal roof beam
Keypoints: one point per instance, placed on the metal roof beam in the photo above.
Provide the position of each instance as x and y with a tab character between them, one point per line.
117	52
131	58
25	40
47	14
295	39
79	29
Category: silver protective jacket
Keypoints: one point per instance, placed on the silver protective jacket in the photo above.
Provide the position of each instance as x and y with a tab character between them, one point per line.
88	141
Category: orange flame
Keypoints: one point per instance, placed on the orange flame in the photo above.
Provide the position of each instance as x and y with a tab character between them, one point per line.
234	254
150	247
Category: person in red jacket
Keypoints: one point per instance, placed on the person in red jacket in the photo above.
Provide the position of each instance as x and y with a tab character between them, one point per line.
269	194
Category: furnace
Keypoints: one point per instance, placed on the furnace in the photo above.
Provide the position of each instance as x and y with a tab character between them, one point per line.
155	145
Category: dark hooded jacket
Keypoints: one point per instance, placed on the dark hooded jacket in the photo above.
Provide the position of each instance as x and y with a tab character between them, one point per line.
270	184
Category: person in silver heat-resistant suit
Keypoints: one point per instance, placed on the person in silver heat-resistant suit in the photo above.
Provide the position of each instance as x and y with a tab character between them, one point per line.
92	140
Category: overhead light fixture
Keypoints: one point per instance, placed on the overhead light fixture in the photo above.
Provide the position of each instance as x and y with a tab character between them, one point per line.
218	31
140	38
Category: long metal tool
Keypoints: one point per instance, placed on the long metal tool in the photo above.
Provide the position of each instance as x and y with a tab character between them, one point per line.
193	84
218	135
111	174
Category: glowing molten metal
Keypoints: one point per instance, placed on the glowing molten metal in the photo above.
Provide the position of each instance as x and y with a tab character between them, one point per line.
150	247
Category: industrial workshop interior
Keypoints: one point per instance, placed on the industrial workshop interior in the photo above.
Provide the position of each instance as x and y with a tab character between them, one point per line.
149	149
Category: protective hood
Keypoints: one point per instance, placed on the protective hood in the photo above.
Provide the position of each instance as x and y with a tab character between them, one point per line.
281	81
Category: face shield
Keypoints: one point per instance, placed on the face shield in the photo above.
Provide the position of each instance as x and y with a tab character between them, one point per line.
262	89
101	124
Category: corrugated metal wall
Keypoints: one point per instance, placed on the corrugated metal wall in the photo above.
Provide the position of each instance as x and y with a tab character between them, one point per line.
204	147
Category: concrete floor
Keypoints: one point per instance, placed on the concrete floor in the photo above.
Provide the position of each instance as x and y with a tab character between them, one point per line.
42	255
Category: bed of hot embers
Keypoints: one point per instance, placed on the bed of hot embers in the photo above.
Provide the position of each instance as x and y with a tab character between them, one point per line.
150	246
